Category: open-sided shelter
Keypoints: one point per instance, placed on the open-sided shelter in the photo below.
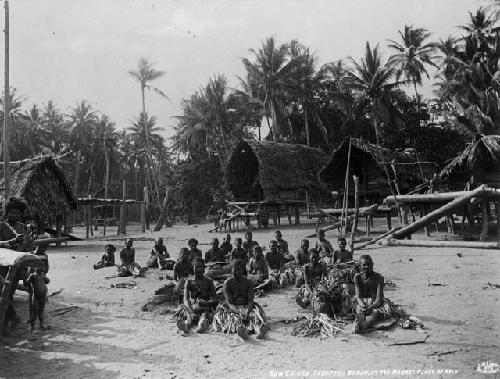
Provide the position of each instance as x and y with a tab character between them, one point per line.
272	171
44	188
480	161
367	162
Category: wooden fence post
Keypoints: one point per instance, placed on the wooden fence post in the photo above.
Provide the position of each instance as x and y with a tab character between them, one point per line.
123	216
143	217
356	210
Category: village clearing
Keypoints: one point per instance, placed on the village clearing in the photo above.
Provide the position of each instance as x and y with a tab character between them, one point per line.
99	331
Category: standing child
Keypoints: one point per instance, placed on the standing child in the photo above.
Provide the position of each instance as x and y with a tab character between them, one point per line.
37	285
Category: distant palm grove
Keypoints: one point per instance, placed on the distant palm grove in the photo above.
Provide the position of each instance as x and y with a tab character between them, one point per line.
284	89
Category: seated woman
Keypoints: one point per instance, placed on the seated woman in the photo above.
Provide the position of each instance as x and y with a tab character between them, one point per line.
199	301
128	266
371	305
107	259
314	272
159	255
239	313
182	269
258	272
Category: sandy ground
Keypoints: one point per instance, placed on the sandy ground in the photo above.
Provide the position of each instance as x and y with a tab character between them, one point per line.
108	335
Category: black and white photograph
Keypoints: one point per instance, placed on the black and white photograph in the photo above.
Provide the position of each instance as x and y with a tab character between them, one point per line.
197	189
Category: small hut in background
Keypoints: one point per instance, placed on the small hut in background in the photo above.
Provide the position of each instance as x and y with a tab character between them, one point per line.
271	171
478	164
44	188
367	162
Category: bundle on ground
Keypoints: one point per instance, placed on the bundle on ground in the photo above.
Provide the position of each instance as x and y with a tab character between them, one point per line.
332	294
163	301
319	325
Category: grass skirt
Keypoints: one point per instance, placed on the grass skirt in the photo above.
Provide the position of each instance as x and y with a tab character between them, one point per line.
227	321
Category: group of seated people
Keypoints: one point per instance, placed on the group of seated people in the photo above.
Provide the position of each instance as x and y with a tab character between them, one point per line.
251	270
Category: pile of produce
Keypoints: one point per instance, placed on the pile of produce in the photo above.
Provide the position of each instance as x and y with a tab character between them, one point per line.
334	290
319	325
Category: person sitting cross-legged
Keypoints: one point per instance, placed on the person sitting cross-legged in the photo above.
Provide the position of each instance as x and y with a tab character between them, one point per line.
239	313
199	301
314	272
371	305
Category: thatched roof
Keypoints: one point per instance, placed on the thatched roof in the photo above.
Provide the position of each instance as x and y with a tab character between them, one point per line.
479	157
264	170
42	185
410	168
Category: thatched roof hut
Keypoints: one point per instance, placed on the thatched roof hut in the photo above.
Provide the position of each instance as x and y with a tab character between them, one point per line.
259	170
367	162
480	160
43	186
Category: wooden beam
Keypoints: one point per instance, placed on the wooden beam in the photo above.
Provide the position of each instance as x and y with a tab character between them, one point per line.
444	210
442	197
427	243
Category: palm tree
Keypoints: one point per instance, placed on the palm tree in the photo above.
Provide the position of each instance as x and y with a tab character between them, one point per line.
105	130
412	55
53	123
145	74
374	81
481	25
81	123
306	83
143	131
271	72
35	136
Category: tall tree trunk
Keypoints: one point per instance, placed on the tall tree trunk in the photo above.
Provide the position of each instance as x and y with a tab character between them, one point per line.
163	219
106	175
306	118
274	125
89	184
416	93
148	145
226	150
77	170
136	184
269	126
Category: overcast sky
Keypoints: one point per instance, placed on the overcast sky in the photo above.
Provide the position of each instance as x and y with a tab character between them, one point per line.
70	50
